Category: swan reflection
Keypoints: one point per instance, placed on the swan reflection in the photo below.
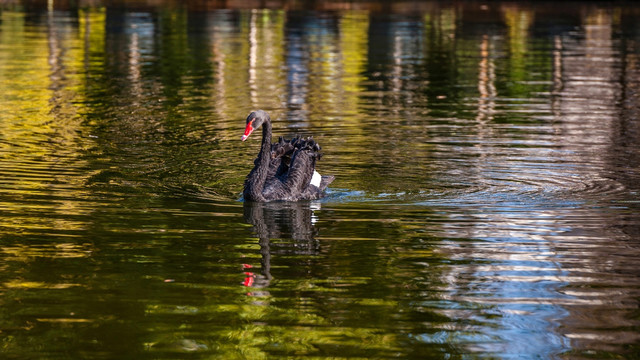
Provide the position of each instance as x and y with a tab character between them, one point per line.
283	228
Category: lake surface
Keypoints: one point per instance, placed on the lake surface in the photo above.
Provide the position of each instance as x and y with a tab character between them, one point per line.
486	201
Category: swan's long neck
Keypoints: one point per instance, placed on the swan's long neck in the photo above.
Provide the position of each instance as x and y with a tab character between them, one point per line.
264	157
258	175
266	140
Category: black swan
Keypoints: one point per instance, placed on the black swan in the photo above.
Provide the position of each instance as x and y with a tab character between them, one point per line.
284	170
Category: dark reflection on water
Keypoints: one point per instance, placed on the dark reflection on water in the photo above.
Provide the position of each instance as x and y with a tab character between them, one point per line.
486	202
291	222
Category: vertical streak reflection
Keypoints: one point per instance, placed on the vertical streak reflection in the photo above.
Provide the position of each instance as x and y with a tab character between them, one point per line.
253	58
486	83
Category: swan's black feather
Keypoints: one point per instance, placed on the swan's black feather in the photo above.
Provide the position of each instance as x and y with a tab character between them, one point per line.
283	170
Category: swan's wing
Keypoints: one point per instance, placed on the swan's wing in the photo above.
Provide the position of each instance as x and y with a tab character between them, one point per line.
281	153
283	148
301	169
274	166
292	169
303	164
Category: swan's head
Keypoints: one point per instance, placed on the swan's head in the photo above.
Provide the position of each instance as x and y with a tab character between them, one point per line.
254	121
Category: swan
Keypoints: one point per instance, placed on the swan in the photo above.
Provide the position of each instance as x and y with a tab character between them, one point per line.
284	170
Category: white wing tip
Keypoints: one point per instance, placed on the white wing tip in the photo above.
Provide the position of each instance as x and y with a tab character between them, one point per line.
316	179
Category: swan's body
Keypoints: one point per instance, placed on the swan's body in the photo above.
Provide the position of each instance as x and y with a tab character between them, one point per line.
284	170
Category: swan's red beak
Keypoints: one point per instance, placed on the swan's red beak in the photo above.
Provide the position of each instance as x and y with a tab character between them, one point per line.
247	131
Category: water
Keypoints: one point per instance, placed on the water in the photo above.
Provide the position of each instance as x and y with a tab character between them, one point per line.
486	201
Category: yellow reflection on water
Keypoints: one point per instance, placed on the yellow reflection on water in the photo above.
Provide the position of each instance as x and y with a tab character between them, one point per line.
42	67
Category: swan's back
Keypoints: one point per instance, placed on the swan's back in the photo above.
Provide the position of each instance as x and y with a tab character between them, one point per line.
291	170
